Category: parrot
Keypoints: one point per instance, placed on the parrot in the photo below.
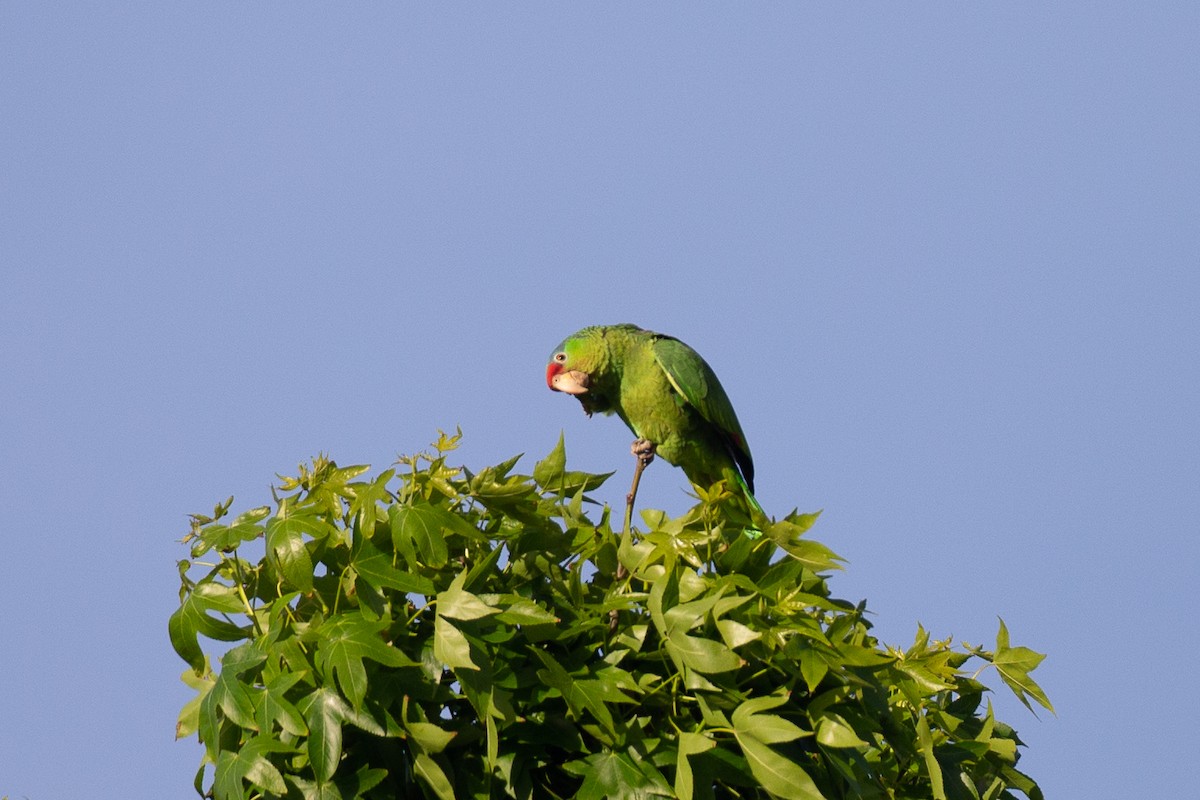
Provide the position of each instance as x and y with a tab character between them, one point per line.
666	394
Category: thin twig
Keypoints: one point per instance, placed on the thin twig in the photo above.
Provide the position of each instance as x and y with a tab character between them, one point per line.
642	461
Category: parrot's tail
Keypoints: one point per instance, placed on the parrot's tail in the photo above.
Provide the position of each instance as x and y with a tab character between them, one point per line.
757	514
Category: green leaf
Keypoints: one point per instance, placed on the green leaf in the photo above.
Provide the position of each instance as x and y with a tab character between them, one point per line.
767	728
192	620
551	475
420	526
1021	782
189	716
834	731
735	633
925	740
457	603
812	554
580	693
1014	665
357	785
286	551
429	737
521	611
277	707
779	775
235	701
772	729
229	773
757	705
258	769
343	643
450	645
367	497
494	486
224	538
236	698
688	615
922	676
431	773
375	567
324	712
551	467
316	790
756	731
813	668
703	655
616	775
690	744
859	656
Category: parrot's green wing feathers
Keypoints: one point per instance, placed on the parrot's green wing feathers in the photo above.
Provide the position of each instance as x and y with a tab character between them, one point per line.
698	385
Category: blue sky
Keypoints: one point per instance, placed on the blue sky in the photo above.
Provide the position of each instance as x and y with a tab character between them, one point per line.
946	261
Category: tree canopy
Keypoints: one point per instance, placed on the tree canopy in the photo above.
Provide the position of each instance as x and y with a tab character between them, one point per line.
439	632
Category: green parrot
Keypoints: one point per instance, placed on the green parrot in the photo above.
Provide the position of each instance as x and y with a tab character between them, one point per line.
668	396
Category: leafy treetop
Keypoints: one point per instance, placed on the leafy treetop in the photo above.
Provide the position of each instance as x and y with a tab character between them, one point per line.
445	633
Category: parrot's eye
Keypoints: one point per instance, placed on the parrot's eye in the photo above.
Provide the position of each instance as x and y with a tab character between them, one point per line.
560	357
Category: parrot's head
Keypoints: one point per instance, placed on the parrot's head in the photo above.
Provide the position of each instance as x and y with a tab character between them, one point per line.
584	365
567	370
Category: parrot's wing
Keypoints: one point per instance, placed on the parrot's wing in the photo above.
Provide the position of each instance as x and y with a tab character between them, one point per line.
696	383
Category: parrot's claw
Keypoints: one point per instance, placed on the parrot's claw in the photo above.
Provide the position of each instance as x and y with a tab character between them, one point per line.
643	449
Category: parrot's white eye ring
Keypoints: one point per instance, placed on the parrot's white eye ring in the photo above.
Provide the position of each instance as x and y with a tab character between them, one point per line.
560	357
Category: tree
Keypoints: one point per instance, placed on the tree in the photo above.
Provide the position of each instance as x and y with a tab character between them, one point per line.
442	633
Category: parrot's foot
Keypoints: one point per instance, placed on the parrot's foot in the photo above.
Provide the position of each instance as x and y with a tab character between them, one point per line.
643	449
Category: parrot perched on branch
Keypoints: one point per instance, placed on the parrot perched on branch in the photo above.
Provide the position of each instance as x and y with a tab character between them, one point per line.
667	395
